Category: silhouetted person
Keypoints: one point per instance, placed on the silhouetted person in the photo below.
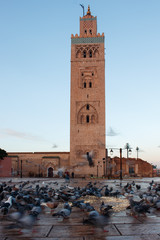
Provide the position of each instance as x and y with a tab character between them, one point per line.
72	174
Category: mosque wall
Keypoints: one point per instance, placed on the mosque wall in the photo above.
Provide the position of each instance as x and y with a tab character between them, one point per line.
47	164
34	164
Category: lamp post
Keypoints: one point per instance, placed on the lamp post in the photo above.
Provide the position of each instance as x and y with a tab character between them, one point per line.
21	168
120	171
18	166
121	178
110	165
104	169
106	162
137	149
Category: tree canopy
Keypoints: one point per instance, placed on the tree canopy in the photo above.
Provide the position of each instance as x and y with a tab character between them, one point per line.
3	154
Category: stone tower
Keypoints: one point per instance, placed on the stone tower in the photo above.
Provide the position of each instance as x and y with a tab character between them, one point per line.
87	109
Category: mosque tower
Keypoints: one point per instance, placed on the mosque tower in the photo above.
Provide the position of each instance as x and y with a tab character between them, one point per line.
87	100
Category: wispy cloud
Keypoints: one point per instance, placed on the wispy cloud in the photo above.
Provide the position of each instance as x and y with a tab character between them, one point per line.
111	132
159	146
21	135
54	146
141	150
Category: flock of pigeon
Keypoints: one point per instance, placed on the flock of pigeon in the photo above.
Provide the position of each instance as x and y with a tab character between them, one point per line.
22	203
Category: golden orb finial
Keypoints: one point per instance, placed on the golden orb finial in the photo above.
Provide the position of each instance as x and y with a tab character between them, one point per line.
88	12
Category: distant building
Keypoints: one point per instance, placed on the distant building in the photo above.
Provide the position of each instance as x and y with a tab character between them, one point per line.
47	164
131	167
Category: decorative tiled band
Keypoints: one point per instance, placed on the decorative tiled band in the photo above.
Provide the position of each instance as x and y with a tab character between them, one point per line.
87	40
87	19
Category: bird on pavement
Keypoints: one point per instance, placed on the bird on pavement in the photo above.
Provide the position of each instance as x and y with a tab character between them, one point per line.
97	220
50	206
64	212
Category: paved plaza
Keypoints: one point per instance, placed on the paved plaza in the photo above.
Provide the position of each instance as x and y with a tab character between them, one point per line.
120	226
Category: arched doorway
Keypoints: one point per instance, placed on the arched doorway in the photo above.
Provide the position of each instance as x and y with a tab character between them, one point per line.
50	172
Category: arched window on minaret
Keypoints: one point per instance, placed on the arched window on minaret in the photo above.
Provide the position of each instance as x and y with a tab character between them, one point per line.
87	107
84	84
90	31
90	84
90	53
84	54
87	114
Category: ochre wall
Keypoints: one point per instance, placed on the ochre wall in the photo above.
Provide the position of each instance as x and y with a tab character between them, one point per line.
37	163
141	167
5	167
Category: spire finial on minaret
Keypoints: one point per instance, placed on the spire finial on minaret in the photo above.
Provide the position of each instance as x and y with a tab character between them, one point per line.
88	12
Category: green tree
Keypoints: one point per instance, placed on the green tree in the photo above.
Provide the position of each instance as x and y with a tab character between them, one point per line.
3	154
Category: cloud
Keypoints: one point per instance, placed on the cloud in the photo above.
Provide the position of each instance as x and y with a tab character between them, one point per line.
21	135
111	133
54	146
159	146
141	150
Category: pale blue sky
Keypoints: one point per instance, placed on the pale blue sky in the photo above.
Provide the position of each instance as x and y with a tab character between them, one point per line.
35	73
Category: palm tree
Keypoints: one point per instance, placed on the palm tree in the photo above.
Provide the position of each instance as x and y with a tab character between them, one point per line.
127	146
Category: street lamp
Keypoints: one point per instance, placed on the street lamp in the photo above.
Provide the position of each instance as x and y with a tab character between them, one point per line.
121	178
104	169
110	165
21	168
120	151
111	152
137	149
97	168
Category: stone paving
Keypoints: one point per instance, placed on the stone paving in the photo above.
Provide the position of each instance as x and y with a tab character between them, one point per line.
120	226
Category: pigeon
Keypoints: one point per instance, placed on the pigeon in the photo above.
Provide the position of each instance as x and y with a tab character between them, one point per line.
49	205
6	205
105	209
138	187
97	220
89	158
64	212
26	223
138	207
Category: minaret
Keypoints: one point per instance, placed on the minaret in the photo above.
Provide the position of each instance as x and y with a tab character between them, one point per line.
87	106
